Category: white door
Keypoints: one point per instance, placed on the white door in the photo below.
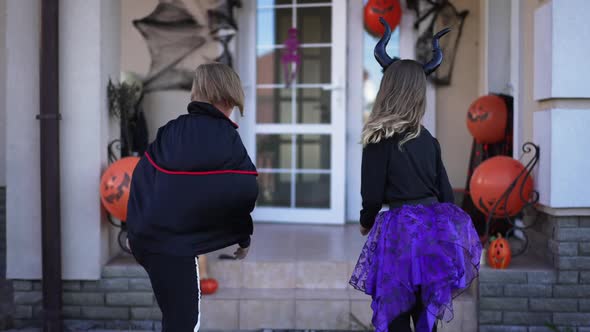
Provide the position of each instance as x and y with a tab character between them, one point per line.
295	132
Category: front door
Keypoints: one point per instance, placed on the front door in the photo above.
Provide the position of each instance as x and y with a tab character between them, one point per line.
296	136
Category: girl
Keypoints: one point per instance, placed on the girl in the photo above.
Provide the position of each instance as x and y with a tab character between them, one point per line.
424	251
192	193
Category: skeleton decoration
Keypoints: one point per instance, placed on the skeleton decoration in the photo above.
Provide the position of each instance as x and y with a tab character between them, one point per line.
439	13
179	41
385	60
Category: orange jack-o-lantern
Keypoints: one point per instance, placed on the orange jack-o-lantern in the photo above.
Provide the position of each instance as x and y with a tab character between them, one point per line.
486	119
499	253
390	10
115	184
492	178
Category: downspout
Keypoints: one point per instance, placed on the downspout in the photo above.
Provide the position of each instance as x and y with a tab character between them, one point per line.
50	182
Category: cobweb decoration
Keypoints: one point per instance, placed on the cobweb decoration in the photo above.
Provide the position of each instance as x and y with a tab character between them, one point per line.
440	14
175	39
171	34
223	27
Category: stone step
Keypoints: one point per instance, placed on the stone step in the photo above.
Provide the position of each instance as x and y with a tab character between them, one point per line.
256	274
256	295
250	309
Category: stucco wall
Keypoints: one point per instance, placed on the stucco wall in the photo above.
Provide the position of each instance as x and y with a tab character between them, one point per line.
453	101
23	199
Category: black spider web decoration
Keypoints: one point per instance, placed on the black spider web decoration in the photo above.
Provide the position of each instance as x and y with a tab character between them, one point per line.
174	36
440	14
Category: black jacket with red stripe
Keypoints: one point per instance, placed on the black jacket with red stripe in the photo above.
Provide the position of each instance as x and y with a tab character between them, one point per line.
194	189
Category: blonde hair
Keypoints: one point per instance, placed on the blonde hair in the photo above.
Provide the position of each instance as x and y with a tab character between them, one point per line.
217	83
400	104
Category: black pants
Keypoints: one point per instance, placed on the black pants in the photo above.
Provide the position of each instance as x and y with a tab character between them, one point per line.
402	322
175	281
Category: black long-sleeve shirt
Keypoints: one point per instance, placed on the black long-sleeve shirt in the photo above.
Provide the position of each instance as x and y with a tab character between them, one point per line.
412	173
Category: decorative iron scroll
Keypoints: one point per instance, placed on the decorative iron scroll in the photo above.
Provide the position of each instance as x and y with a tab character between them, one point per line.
501	203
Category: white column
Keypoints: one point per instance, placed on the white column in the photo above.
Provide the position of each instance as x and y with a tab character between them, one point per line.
89	56
3	93
516	72
561	87
495	50
23	201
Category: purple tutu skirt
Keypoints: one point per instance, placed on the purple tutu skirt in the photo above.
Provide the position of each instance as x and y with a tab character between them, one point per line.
430	250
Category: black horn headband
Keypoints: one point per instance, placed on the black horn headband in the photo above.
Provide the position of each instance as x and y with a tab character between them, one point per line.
385	60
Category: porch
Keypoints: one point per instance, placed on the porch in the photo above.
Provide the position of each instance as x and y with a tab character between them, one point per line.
296	277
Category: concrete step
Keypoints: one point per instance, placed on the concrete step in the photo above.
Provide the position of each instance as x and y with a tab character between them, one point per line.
256	295
256	274
319	309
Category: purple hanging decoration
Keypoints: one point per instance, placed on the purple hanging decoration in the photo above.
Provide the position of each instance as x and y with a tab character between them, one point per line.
291	56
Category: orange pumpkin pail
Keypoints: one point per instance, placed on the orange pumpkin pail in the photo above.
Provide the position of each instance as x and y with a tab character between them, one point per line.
115	185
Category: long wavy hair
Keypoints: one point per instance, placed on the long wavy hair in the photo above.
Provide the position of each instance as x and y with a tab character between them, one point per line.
400	104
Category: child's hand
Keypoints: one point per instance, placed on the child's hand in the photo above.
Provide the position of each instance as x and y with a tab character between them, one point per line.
241	253
364	231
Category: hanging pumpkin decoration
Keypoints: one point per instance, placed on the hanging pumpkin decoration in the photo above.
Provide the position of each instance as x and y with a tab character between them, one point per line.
390	10
487	118
492	178
499	253
115	184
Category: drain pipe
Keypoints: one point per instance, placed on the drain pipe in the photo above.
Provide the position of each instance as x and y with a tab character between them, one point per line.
50	189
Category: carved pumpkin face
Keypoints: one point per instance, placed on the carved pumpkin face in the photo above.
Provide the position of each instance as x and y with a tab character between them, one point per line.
499	253
486	119
114	186
390	10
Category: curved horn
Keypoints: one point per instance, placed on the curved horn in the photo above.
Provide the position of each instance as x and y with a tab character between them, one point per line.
380	52
437	55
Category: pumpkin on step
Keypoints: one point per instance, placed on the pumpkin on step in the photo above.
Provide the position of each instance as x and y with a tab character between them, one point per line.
499	254
209	286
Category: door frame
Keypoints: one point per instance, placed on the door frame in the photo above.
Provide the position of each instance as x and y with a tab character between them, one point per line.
246	65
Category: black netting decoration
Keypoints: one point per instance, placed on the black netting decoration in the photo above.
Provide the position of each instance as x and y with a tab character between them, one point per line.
438	14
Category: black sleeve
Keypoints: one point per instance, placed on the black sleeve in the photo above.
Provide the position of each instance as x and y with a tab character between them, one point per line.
445	191
245	243
373	181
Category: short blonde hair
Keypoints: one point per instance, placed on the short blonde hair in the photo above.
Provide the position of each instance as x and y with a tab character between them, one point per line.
218	83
